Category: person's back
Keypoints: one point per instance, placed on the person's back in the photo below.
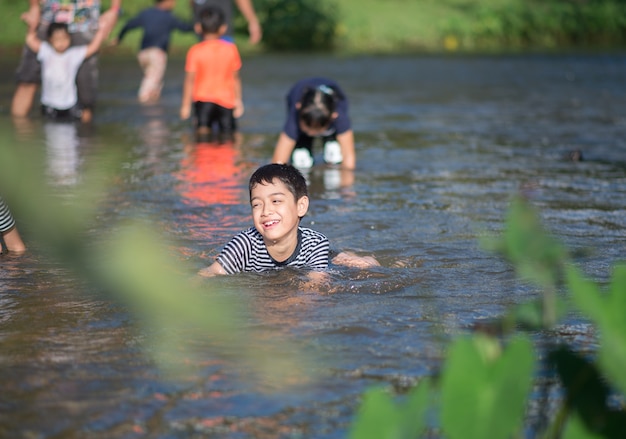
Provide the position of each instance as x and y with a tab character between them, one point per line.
157	22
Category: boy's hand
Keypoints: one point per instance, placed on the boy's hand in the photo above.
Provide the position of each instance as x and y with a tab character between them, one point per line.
353	260
31	20
238	110
185	112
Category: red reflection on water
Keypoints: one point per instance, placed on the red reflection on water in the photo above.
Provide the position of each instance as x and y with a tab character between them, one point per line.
210	174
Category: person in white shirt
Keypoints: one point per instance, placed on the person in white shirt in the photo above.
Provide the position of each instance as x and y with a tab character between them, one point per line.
60	64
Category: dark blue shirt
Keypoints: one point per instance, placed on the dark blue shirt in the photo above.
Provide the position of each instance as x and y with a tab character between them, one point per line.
157	26
292	126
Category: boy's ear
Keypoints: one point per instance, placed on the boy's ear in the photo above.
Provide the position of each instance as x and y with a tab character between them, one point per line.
334	115
223	29
302	205
197	28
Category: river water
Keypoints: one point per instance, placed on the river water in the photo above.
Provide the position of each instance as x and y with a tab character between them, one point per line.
443	144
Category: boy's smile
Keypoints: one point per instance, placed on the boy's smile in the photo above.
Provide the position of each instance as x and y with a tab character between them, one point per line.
276	215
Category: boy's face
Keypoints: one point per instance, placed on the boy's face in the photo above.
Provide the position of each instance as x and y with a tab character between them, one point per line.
275	211
60	40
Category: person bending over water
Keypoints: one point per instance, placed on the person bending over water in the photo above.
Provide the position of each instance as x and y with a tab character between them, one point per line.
316	107
279	199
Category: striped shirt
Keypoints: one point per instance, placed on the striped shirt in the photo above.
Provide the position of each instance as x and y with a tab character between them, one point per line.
6	219
247	252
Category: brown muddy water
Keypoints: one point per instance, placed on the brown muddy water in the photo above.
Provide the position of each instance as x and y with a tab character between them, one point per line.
443	144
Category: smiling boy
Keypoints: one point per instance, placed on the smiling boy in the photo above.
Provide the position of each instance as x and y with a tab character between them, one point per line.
279	199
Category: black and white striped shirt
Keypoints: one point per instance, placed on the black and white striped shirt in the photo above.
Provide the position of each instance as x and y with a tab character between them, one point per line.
6	219
247	252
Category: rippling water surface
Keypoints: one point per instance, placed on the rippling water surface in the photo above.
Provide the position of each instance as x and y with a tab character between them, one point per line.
443	144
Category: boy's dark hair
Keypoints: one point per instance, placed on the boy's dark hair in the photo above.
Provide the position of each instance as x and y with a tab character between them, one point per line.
317	106
290	176
54	27
211	18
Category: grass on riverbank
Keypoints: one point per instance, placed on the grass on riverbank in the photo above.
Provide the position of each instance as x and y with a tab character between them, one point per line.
391	26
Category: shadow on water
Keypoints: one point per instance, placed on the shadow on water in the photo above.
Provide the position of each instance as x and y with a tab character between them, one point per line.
442	145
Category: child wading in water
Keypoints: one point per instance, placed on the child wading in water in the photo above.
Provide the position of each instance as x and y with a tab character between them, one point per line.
60	64
316	107
212	81
157	23
279	199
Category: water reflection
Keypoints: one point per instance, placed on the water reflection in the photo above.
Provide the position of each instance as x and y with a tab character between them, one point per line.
440	153
210	173
62	154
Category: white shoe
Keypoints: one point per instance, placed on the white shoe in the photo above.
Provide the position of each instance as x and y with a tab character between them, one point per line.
301	158
332	152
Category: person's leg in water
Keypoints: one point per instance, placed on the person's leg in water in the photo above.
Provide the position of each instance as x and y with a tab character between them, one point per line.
28	78
225	123
153	62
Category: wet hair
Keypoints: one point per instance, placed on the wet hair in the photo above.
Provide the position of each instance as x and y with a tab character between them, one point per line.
211	18
55	27
287	174
317	106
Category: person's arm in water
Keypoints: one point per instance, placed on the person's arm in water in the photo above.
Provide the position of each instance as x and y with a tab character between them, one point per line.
185	106
215	269
254	28
13	241
346	141
284	148
350	259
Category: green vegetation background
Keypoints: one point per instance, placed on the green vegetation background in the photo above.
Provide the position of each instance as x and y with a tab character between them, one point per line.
391	26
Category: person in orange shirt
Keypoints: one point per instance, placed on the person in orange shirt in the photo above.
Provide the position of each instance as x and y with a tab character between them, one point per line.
212	83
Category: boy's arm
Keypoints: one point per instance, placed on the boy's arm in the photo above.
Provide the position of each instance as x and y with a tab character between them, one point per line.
32	40
214	269
185	105
353	260
105	25
346	141
254	28
238	110
284	148
33	13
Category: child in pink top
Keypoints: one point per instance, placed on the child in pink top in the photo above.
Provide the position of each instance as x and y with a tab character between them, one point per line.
212	83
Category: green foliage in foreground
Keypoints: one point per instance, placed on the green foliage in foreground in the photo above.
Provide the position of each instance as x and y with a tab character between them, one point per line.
484	387
132	262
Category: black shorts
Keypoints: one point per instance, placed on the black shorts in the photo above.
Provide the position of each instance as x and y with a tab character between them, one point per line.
70	114
29	70
217	119
305	141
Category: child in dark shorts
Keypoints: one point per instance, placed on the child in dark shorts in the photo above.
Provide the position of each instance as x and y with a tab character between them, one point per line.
212	83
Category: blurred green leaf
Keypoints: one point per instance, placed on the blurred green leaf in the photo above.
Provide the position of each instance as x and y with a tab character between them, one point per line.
380	417
607	310
484	389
